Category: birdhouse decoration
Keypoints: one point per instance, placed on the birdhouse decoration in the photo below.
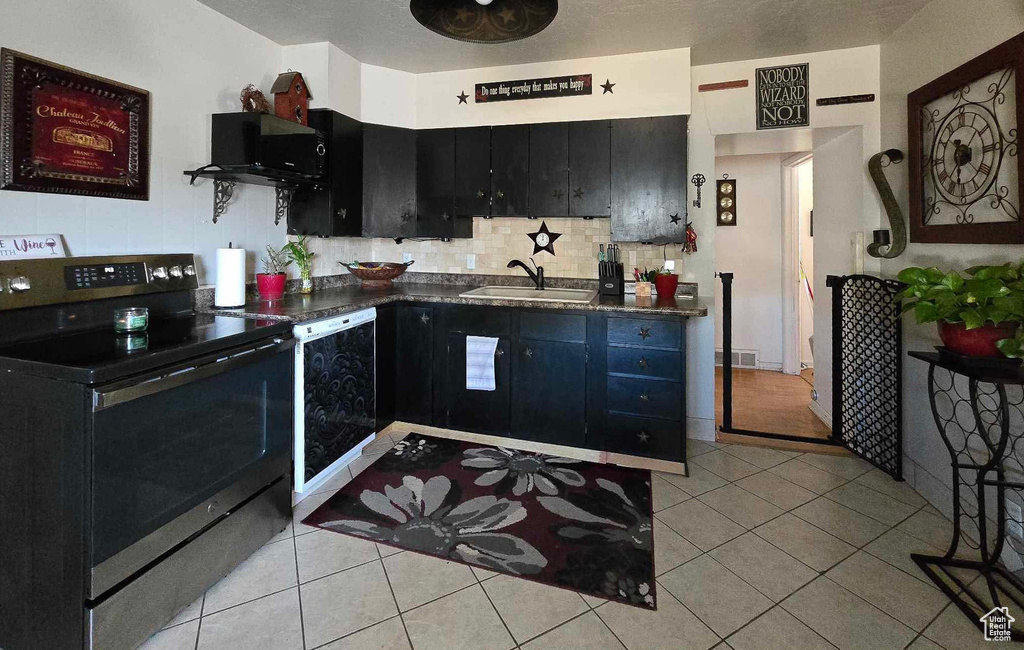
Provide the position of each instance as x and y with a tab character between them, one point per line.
291	97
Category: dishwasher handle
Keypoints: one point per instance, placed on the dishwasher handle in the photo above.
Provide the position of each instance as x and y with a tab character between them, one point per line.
130	391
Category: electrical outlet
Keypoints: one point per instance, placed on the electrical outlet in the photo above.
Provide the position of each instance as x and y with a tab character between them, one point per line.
1014	521
406	257
470	261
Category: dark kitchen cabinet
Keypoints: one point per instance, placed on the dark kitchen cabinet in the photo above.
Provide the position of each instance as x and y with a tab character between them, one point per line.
473	171
549	170
389	181
590	169
549	392
414	364
478	410
510	171
648	179
336	208
435	186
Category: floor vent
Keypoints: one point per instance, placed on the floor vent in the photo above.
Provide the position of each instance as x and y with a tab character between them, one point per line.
740	358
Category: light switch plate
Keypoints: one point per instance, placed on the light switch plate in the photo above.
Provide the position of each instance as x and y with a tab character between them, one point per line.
470	261
406	258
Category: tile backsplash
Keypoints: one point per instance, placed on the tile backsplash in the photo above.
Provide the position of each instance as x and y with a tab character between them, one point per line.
495	242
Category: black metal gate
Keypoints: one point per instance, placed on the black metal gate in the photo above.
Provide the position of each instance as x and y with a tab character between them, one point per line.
867	370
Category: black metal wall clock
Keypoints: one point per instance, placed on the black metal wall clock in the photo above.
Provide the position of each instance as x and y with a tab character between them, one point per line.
725	201
544	239
965	165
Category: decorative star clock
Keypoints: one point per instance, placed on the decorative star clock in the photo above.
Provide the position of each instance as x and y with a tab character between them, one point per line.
965	165
544	239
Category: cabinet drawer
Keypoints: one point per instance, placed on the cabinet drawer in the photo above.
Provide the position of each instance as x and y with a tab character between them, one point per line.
652	397
648	333
480	321
644	437
553	327
646	363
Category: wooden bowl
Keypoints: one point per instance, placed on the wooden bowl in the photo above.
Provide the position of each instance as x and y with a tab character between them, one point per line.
376	275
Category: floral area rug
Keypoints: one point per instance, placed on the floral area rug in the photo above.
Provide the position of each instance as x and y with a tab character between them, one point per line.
569	523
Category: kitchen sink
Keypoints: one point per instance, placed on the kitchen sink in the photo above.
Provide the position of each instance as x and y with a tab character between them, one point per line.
527	293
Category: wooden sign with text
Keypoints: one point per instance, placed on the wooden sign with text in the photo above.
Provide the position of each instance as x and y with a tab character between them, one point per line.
845	99
507	91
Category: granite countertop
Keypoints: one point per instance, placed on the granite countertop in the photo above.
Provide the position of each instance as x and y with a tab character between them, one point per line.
328	302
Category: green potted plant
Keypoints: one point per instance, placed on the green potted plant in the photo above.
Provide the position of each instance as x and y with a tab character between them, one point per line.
271	282
298	252
978	312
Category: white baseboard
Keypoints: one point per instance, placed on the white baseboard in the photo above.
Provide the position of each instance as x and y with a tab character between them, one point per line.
770	366
822	414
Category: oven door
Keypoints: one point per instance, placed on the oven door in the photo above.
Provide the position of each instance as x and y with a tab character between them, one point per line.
173	453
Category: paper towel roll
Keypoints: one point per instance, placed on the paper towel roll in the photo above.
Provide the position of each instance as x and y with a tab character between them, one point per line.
230	288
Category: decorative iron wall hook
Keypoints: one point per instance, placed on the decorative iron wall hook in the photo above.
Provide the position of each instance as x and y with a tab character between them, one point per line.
698	180
898	242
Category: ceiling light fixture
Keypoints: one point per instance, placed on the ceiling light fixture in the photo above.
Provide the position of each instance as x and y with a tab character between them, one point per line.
485	21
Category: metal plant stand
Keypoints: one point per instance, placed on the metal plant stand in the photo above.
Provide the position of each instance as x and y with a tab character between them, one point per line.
978	407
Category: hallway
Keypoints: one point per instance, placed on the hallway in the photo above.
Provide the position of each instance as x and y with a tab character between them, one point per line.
771	402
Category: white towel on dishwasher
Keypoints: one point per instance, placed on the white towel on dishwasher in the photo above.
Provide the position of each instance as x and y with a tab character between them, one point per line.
480	362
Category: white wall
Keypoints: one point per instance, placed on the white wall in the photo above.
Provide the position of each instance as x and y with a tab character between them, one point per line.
915	54
752	250
646	84
837	72
194	62
805	204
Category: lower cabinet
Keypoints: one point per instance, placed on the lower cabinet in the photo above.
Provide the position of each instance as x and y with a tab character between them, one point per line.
480	411
549	392
639	436
414	364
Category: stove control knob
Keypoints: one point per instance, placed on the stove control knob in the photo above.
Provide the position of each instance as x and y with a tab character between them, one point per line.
19	284
190	270
175	272
159	273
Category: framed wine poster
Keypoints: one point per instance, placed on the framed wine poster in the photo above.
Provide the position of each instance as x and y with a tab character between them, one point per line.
69	132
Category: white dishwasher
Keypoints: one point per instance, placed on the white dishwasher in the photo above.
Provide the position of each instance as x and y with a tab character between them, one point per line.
335	395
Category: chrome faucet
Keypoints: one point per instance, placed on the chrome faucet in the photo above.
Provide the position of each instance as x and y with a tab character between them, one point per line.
538	277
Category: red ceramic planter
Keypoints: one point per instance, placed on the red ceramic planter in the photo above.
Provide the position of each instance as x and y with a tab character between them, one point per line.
271	287
978	342
666	285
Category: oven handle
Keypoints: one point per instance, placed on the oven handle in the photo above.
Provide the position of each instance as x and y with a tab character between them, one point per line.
105	399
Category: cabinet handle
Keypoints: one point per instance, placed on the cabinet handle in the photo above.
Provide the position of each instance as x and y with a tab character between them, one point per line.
643	436
644	363
479	194
342	212
644	397
406	217
498	352
528	352
501	194
645	332
425	319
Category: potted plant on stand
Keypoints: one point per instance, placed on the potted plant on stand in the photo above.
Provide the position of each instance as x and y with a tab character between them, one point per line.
298	252
270	283
978	312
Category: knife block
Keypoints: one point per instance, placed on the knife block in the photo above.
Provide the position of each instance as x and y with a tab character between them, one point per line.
614	284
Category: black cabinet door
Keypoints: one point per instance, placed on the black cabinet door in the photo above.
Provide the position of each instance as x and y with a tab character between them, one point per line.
590	169
477	410
334	210
389	181
435	185
473	171
510	171
648	172
550	392
414	363
549	170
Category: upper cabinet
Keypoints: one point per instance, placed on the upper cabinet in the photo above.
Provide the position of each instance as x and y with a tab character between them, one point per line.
648	179
435	186
335	210
549	170
389	181
510	171
473	171
590	169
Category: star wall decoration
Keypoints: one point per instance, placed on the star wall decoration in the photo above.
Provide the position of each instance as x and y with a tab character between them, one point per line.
544	239
462	97
608	85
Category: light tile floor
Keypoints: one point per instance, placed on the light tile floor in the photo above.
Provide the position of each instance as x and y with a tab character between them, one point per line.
756	549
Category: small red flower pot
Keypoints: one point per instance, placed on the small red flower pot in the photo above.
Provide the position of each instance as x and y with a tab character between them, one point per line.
978	342
666	284
271	287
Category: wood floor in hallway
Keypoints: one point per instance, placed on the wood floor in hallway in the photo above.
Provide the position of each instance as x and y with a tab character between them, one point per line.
771	402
